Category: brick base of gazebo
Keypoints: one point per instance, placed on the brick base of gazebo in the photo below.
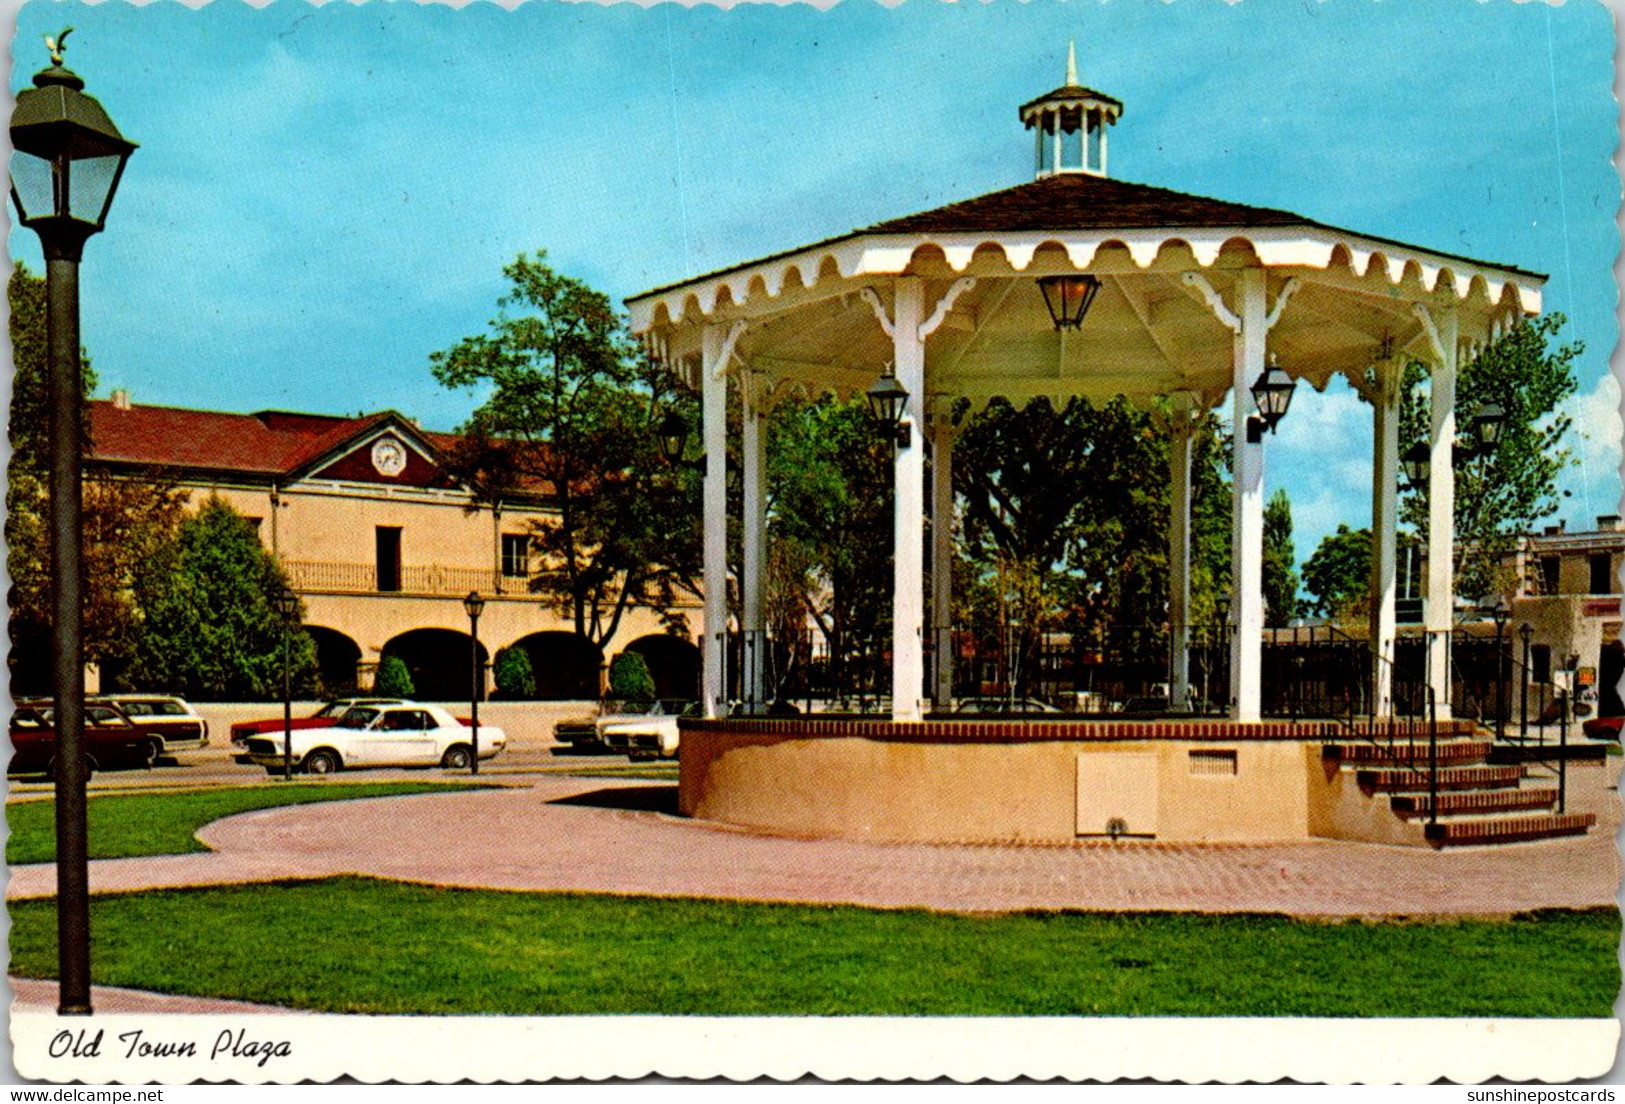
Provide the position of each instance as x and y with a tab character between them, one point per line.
1057	782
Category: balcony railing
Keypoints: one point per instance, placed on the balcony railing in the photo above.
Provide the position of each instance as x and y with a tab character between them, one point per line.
362	578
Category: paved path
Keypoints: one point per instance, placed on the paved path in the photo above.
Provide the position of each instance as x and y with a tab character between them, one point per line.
525	839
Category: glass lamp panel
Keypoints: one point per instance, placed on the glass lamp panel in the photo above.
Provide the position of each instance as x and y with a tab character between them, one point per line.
31	186
90	186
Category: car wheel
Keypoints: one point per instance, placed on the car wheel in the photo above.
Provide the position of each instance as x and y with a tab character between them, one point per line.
457	757
149	752
322	761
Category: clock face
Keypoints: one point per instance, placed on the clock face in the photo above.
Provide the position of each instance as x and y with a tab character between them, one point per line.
388	456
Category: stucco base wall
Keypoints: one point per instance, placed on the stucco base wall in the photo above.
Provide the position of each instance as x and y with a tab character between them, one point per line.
971	786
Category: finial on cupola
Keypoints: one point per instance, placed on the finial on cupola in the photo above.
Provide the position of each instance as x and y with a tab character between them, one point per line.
1070	125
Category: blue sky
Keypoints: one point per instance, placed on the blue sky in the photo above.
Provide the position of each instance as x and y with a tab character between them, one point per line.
325	196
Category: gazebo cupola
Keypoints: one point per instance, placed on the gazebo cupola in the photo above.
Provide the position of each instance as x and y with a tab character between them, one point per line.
1069	125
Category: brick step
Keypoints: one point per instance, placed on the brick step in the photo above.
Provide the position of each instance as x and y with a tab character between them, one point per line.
1456	833
1449	751
1453	778
1411	806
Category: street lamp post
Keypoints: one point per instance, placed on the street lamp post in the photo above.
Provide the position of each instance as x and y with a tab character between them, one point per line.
474	604
1525	632
1500	613
287	604
67	160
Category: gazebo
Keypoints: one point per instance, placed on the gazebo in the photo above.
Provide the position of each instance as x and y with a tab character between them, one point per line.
1077	284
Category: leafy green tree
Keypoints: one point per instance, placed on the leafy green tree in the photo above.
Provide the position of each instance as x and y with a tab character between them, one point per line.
1280	562
829	532
209	625
629	678
514	675
572	411
1506	493
122	520
393	679
1339	573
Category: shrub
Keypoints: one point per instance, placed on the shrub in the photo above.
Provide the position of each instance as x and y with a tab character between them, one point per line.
629	678
393	680
514	677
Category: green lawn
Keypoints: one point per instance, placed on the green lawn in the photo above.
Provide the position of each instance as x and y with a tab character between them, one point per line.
360	945
127	825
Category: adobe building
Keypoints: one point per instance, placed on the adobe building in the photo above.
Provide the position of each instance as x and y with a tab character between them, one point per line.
380	542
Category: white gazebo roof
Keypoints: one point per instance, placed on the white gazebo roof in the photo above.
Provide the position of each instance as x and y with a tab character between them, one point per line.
1166	260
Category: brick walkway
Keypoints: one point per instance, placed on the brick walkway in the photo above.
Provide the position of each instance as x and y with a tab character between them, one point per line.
523	839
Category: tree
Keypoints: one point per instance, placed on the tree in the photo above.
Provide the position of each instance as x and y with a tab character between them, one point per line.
572	412
1280	571
209	626
1339	573
829	531
513	673
1506	493
393	680
629	678
122	521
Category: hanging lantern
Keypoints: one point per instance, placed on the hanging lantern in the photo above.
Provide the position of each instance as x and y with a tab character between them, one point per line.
888	402
1067	298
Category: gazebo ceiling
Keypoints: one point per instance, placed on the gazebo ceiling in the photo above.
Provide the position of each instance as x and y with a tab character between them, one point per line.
1150	330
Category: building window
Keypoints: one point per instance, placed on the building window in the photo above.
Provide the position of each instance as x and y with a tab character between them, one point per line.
515	555
253	523
1550	574
1540	659
389	558
1602	573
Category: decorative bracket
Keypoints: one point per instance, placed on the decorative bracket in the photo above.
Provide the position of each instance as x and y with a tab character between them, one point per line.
725	355
1215	301
945	304
1424	316
1287	289
872	297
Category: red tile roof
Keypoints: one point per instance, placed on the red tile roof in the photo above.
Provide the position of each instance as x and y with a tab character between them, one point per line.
267	443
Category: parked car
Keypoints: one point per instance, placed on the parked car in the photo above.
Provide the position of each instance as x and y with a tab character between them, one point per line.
109	738
1004	705
579	732
643	730
1603	728
394	735
165	716
324	717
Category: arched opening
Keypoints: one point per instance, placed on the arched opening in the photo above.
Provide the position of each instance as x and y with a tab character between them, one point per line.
673	662
565	665
29	662
338	659
1612	669
438	662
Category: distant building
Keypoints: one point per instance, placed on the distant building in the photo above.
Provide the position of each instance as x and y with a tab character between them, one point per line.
380	542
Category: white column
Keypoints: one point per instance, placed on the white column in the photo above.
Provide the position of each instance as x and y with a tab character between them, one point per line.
942	557
908	582
1384	528
1179	558
1247	505
714	420
1442	510
753	569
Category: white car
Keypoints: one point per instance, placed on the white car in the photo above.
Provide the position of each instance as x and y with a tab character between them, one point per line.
401	735
643	730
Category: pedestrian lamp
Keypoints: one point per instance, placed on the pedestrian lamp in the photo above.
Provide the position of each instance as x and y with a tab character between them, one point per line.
1485	427
1500	614
673	436
66	164
1272	394
1525	632
888	402
1417	463
474	604
287	605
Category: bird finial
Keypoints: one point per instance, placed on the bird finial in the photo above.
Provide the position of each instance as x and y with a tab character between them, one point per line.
57	44
1071	64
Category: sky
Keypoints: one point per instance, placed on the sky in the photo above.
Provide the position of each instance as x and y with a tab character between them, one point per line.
324	196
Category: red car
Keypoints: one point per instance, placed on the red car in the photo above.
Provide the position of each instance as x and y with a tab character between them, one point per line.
1603	728
324	717
109	738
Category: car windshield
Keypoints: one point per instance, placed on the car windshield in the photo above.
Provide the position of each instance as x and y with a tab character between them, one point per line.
359	717
630	705
333	709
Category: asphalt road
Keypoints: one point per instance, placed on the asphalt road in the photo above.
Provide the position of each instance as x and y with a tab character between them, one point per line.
527	725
